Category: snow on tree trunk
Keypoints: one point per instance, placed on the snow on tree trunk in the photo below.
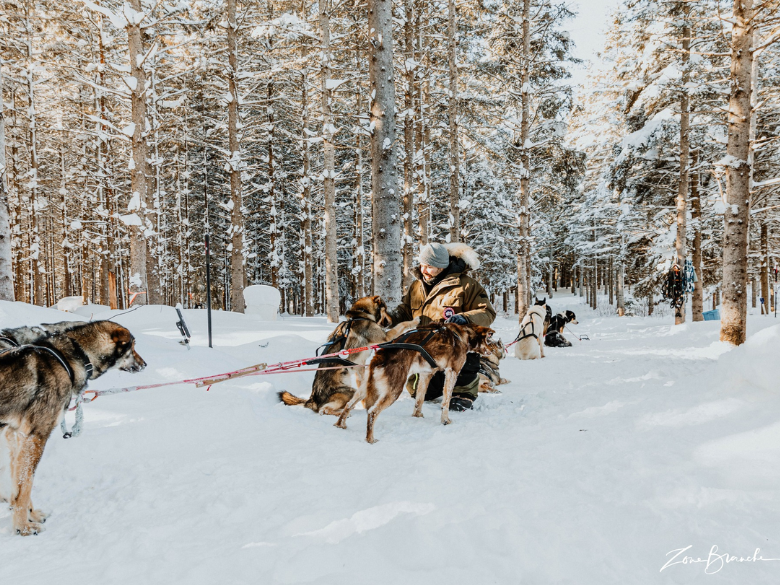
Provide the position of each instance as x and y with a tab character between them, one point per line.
308	270
523	260
736	217
408	201
682	185
329	173
237	217
764	259
386	221
697	300
452	114
137	280
359	256
423	168
6	267
35	248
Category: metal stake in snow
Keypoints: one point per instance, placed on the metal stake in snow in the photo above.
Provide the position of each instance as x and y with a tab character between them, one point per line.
208	286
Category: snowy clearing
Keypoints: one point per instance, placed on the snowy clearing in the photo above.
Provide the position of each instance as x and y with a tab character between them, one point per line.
589	468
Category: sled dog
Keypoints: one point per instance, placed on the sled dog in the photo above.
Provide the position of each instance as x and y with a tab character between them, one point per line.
10	338
390	368
554	336
489	376
36	385
332	389
530	347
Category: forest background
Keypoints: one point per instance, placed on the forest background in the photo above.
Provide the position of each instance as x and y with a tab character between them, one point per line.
319	144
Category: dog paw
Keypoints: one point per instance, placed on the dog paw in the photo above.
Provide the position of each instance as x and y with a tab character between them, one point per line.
38	516
446	421
371	441
418	415
29	529
340	424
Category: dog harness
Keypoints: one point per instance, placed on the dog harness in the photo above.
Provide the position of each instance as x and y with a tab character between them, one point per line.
9	340
343	337
400	343
523	335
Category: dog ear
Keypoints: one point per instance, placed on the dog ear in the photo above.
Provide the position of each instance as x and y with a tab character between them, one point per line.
384	319
120	335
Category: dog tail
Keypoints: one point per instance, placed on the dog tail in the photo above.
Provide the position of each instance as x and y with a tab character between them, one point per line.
290	399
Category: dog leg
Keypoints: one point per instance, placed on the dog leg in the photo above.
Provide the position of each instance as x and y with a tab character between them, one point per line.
27	461
419	396
359	395
541	346
385	400
449	383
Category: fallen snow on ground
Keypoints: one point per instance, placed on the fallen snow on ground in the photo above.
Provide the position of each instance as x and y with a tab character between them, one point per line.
589	468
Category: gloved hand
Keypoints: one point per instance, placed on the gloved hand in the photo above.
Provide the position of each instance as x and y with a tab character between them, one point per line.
458	320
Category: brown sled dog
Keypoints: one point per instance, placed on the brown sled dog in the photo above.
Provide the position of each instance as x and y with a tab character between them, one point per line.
390	368
36	385
332	389
489	376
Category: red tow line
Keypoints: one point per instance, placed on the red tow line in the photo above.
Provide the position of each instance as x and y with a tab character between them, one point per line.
256	370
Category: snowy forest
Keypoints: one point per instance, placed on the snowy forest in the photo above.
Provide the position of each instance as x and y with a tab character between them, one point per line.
319	144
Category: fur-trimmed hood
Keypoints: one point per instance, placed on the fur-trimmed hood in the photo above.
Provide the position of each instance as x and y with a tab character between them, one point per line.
465	253
465	256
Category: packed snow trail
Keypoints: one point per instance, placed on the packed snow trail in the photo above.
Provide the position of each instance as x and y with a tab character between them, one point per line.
590	467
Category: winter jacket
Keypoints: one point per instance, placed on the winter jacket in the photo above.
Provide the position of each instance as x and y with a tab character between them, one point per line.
453	288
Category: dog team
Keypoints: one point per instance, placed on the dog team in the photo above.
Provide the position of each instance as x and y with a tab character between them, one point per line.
437	343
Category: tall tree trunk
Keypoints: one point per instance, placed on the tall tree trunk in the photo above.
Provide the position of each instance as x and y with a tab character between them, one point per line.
35	250
737	218
6	266
681	244
329	163
764	259
697	300
452	114
621	285
359	257
384	184
308	261
408	201
611	281
137	278
236	198
523	260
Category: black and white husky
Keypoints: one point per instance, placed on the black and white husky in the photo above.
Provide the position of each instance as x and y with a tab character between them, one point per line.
554	337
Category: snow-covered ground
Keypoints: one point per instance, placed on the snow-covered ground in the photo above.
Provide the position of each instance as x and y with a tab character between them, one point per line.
589	468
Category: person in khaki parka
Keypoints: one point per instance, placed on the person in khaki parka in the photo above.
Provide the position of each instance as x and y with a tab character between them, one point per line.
442	283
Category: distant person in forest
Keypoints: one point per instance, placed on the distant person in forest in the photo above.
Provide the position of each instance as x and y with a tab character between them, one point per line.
443	290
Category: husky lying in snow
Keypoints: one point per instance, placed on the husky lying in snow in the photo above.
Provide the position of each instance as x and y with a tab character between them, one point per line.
554	336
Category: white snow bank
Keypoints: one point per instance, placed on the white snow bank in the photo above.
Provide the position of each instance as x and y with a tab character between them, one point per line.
69	304
262	301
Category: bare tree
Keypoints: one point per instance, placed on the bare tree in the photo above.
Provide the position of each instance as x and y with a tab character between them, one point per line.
524	251
682	185
329	173
737	218
452	114
237	216
6	268
697	300
384	183
137	84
